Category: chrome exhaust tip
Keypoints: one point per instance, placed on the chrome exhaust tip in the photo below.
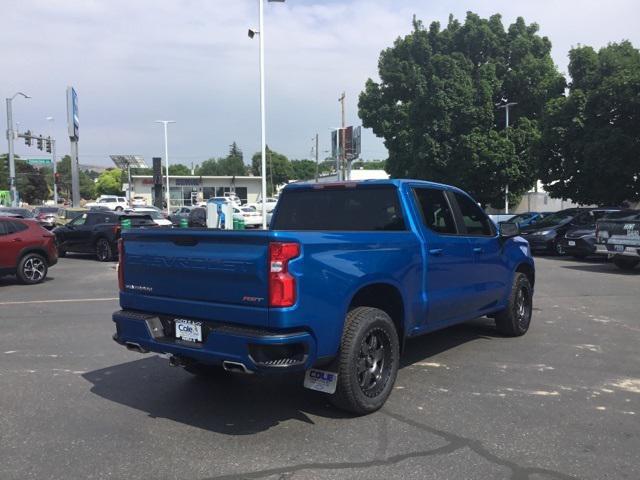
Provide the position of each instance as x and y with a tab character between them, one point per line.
135	347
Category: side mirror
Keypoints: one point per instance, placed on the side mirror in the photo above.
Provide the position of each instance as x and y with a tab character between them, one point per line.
509	230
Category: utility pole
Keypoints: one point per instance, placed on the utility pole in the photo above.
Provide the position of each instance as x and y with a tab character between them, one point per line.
506	107
53	162
342	151
317	160
73	125
12	165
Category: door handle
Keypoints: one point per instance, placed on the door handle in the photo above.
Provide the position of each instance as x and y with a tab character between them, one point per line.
477	250
17	239
435	252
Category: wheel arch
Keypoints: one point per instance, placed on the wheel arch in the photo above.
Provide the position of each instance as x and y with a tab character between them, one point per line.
35	249
529	271
385	296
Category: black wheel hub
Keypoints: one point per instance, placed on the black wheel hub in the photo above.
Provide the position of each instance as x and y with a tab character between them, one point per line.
373	365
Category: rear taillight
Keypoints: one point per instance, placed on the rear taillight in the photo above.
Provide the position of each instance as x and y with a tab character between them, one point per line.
121	265
282	285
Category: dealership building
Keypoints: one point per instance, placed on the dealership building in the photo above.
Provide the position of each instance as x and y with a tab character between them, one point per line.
188	190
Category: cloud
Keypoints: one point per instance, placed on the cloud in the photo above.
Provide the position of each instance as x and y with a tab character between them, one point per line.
133	62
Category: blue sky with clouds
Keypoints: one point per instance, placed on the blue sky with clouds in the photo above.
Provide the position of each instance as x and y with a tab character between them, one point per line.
136	61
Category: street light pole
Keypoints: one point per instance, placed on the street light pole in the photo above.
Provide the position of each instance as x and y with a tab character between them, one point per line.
165	123
10	135
263	135
506	107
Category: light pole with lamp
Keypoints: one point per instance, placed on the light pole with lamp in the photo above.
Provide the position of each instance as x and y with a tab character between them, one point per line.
166	157
506	107
263	143
10	135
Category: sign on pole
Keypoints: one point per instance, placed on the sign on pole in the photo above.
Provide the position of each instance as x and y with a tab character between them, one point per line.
73	121
39	161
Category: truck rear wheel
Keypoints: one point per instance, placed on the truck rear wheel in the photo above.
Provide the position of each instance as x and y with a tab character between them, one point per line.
514	320
624	263
367	363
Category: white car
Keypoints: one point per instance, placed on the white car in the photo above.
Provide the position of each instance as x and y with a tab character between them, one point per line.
138	201
155	214
249	215
270	203
114	203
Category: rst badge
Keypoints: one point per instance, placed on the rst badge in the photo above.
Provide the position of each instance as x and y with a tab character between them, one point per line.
321	380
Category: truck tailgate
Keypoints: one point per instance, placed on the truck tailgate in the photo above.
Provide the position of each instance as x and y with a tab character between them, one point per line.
187	272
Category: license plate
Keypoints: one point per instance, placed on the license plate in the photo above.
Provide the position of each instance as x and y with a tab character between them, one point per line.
321	380
618	248
188	330
571	243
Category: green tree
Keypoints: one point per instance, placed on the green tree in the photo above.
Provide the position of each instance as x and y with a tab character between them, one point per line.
303	169
87	185
4	172
110	182
435	104
369	165
590	145
31	182
208	167
178	169
279	169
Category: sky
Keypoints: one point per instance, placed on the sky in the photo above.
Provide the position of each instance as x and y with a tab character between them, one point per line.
136	61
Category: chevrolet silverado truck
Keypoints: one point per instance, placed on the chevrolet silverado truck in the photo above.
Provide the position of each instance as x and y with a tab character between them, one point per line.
345	274
618	237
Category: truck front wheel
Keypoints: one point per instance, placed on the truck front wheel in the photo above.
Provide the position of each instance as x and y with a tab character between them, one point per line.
367	363
514	320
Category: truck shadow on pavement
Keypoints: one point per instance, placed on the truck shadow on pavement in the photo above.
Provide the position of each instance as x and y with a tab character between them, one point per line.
242	404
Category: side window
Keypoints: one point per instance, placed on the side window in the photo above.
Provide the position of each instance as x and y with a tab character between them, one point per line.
81	220
3	228
436	213
475	220
18	227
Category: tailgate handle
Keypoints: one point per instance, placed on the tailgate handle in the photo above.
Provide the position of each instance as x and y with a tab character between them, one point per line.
186	241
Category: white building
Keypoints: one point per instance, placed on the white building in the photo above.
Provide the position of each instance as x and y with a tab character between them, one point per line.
187	190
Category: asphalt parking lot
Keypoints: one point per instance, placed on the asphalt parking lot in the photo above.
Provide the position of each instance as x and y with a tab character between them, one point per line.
561	402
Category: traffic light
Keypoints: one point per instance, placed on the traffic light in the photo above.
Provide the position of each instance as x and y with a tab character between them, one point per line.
27	138
39	142
48	143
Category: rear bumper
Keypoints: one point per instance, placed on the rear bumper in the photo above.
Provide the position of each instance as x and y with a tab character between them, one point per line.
259	350
629	251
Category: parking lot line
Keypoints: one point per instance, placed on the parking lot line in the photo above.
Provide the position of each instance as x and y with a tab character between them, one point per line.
66	300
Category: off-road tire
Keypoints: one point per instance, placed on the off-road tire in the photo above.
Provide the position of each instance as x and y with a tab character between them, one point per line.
362	324
514	320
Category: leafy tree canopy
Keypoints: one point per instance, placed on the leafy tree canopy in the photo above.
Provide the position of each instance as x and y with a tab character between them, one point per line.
279	169
87	185
177	169
303	169
110	182
435	104
590	146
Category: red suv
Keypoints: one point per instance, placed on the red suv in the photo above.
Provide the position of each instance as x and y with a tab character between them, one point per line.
26	249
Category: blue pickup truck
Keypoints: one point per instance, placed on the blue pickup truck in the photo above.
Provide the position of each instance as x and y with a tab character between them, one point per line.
346	273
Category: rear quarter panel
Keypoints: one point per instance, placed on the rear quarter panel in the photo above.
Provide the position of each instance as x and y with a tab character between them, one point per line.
334	266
